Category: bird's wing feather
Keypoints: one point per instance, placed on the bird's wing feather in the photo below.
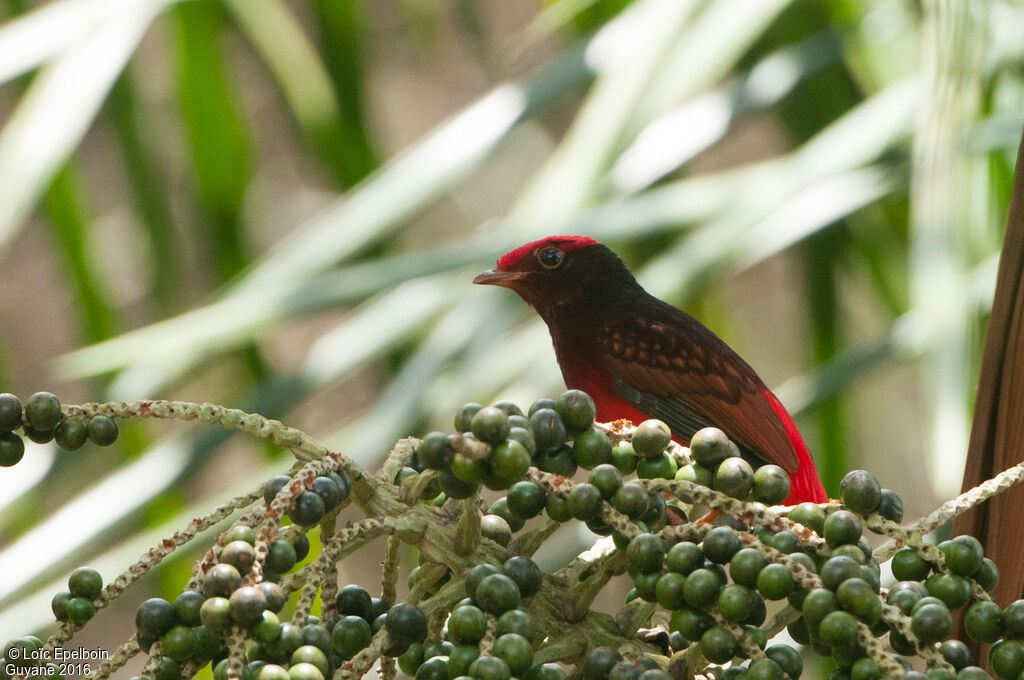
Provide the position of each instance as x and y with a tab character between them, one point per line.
678	371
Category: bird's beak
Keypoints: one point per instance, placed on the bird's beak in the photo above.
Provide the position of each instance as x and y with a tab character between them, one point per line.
498	277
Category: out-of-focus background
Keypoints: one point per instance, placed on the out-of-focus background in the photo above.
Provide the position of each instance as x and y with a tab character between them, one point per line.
279	205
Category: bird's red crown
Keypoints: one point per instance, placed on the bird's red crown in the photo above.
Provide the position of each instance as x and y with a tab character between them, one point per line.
565	243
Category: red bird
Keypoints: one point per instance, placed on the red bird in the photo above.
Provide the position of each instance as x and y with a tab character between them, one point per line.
641	358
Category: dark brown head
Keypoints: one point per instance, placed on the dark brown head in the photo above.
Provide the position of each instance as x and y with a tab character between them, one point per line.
563	274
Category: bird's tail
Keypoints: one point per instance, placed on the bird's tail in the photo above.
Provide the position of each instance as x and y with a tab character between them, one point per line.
805	485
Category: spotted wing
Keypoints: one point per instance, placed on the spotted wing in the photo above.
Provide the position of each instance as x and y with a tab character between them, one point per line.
678	371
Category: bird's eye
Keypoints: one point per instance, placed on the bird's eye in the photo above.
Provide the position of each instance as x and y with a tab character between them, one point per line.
550	258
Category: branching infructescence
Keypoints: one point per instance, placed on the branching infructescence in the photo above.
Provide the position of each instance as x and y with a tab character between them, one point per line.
703	582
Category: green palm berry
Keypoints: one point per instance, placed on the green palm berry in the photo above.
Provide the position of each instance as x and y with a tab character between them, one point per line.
247	605
987	575
496	529
308	509
645	553
353	600
865	668
497	593
690	623
953	590
907	565
240	555
460	658
695	474
956	653
59	605
406	623
240	532
838	629
311	655
10	412
509	461
102	430
842	527
557	508
835	570
851	551
627	669
500	508
70	435
166	668
745	565
539	404
788	659
270	672
984	622
735	602
650	438
85	582
576	409
710	446
548	430
585	501
42	411
509	409
718	645
433	668
517	621
525	573
607	479
557	462
668	590
547	671
215	613
775	582
304	671
523	435
453	487
328	490
857	597
734	477
928	599
663	466
267	628
655	517
701	589
179	643
464	416
221	580
12	449
684	557
469	470
467	625
599	662
964	555
478	574
810	515
720	544
646	586
80	609
891	506
931	623
905	594
489	668
860	491
435	451
281	557
771	484
515	651
1013	620
490	425
818	604
1007	659
764	669
526	499
624	457
274	486
631	500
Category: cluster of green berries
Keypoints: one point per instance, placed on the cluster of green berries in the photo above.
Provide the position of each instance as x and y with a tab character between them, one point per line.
606	663
42	421
499	592
76	603
306	509
24	654
717	464
555	436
